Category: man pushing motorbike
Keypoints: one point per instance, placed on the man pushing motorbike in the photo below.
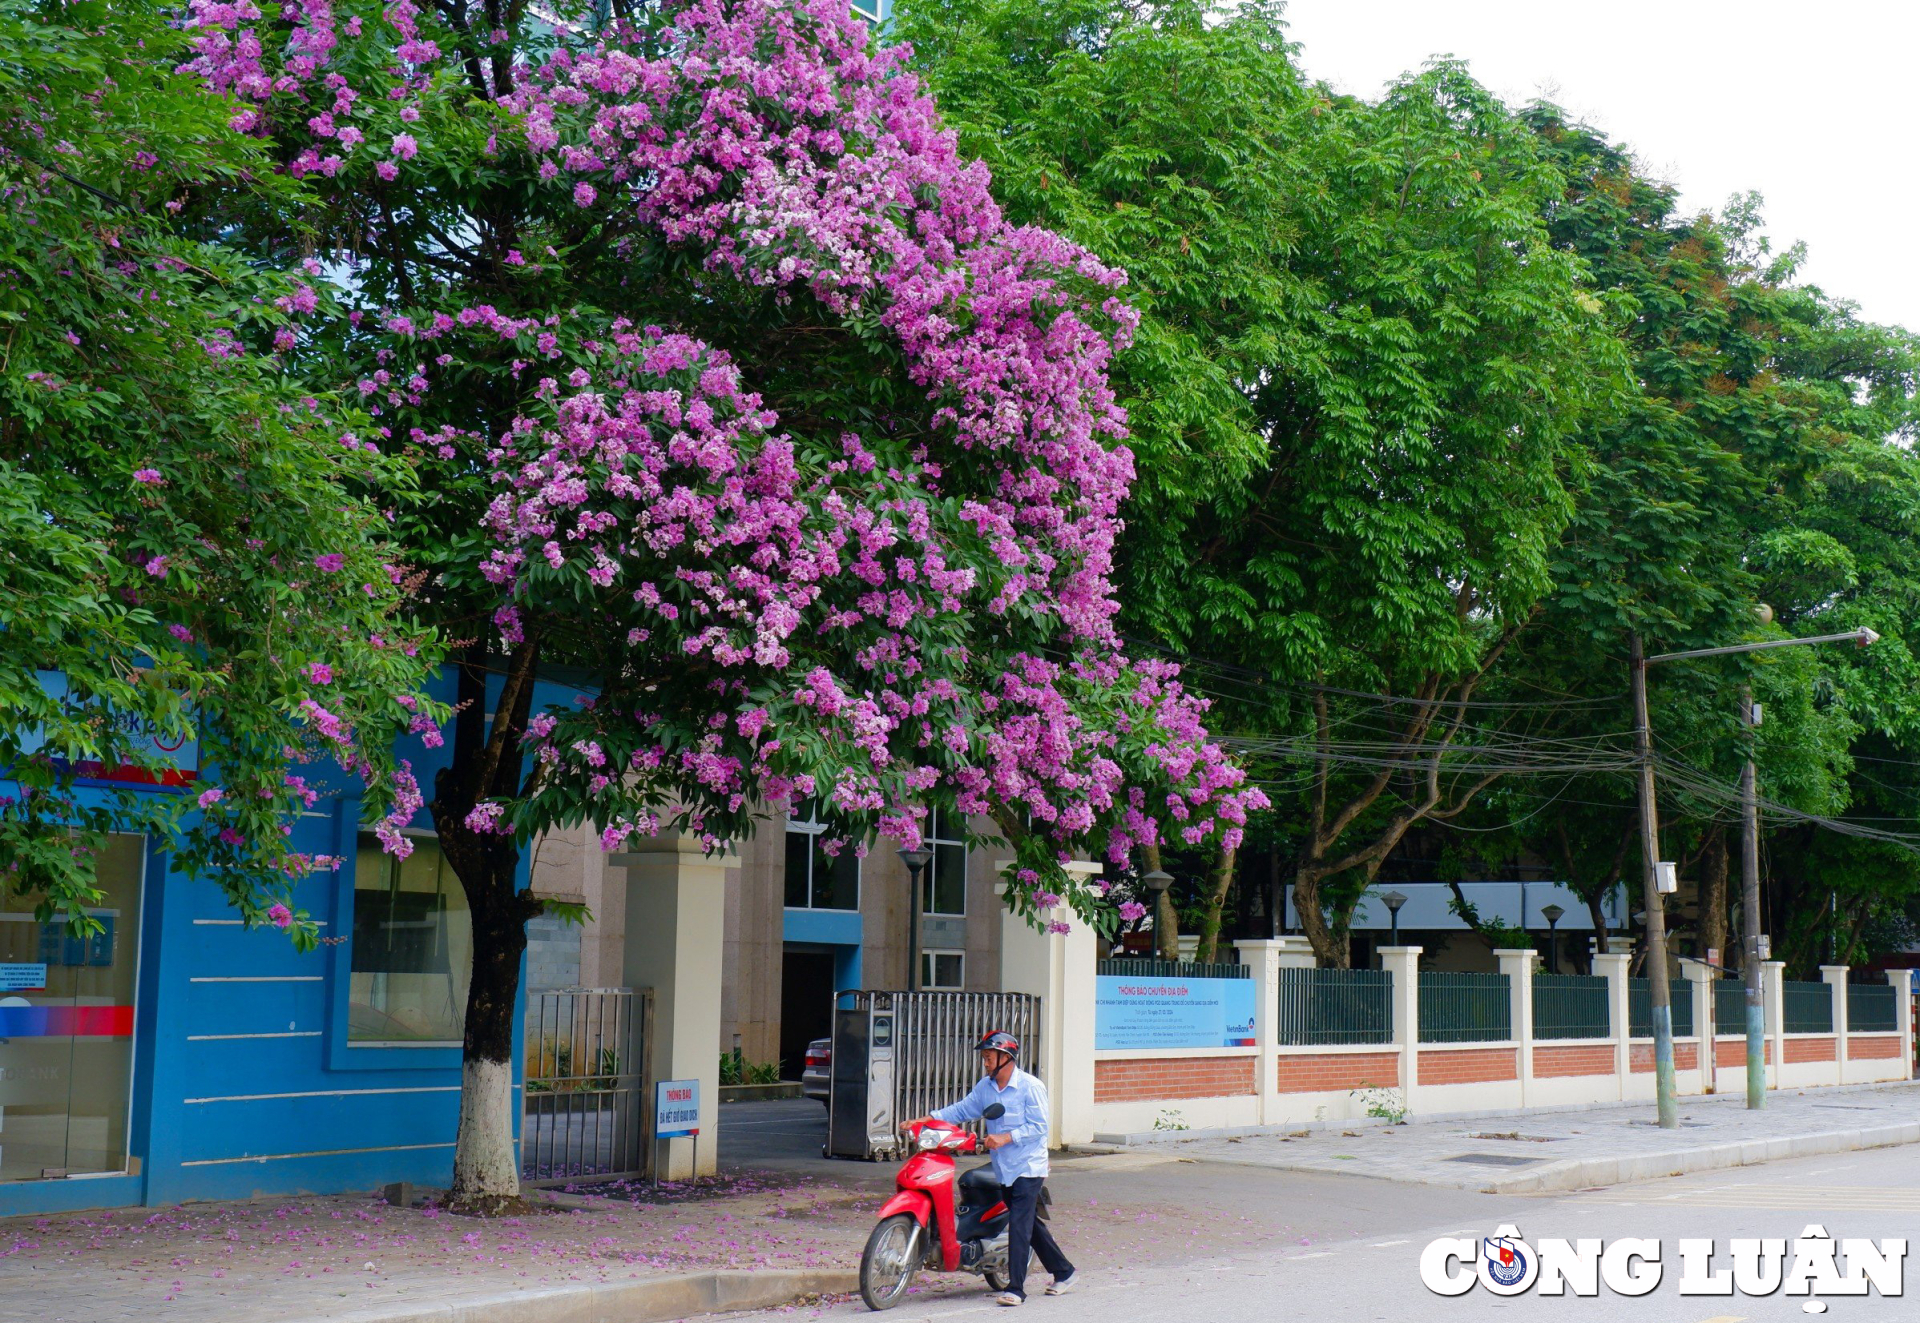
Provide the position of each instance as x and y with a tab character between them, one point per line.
1017	1140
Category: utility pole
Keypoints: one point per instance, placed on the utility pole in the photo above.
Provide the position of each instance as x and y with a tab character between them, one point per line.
1658	984
1750	911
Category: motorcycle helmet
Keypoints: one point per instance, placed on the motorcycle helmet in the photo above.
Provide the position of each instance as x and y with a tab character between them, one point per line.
997	1041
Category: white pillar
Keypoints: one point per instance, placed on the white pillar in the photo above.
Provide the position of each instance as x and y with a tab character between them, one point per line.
1700	978
1403	962
676	926
1518	965
1836	977
1773	974
1262	956
1613	968
1902	980
1296	952
1058	968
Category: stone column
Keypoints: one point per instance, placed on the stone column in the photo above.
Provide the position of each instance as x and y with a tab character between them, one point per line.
1836	977
1902	980
1058	968
1263	957
1613	968
1403	962
1773	974
1700	978
675	931
1518	965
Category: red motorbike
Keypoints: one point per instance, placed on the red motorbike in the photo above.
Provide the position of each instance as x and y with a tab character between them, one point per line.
929	1224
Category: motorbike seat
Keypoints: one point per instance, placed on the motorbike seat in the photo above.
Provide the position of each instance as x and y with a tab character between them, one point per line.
978	1188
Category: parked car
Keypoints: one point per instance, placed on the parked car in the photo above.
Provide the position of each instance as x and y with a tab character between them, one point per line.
813	1079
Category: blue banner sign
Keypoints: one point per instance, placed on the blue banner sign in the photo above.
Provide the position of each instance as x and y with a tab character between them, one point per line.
676	1108
1145	1012
167	759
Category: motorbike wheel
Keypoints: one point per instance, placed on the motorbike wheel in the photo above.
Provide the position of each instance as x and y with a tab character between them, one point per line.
888	1263
995	1282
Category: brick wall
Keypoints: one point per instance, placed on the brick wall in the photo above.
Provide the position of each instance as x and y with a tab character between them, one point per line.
1873	1047
1312	1073
1473	1065
1809	1049
1686	1056
1172	1077
1584	1059
1733	1052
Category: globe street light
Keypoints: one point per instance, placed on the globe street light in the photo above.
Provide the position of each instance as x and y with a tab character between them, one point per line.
1552	915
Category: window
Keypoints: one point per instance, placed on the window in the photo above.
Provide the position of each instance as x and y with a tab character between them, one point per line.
66	1027
943	969
815	879
412	948
944	886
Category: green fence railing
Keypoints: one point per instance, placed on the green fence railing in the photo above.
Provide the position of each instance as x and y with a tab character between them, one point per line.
1335	1006
1136	967
1871	1009
1570	1006
1730	1007
1807	1008
1640	1008
1465	1008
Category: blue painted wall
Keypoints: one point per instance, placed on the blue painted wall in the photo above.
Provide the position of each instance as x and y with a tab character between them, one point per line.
243	1080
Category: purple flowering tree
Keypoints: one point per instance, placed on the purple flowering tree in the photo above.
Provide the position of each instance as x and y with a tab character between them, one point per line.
722	377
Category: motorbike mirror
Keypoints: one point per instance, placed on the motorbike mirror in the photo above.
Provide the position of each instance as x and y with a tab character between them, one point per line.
994	1112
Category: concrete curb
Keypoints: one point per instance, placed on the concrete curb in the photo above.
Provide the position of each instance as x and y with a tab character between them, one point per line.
1581	1173
657	1300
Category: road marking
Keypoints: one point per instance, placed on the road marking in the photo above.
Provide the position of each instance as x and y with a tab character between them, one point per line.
1775	1197
1389	1244
1318	1254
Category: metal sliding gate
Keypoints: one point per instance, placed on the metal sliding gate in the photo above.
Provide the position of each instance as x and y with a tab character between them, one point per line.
901	1054
587	1078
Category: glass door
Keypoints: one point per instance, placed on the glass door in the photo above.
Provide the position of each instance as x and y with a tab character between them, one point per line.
66	1028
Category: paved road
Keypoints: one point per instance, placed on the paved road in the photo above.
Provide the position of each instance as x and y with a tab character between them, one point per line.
1347	1248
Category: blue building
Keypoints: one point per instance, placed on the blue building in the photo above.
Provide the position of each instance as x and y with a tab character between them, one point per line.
179	1055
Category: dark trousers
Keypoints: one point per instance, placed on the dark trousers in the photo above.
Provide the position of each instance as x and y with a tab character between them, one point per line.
1023	1202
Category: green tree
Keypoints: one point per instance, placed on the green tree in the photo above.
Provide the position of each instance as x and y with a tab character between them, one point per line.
185	552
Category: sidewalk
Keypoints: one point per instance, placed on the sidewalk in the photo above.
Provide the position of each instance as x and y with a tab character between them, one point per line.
1526	1152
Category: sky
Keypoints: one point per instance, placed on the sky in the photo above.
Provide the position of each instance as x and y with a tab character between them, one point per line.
1814	105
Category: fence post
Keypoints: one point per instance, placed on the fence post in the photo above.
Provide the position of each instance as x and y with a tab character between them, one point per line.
1836	977
1518	965
1902	980
1700	978
1059	968
1613	968
1262	956
1403	962
1773	976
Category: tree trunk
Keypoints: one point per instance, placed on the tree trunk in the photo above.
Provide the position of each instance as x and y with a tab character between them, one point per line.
1329	947
1216	901
486	765
1713	895
1166	921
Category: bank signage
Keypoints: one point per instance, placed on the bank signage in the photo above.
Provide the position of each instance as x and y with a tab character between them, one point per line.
1134	1012
169	759
676	1108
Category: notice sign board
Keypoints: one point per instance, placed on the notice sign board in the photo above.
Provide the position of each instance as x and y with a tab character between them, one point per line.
676	1108
1132	1012
22	978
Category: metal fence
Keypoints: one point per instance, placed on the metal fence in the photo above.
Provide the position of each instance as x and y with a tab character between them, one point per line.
1570	1006
1730	1007
1465	1008
1335	1006
1640	1008
586	1081
1872	1009
1807	1008
935	1063
1135	967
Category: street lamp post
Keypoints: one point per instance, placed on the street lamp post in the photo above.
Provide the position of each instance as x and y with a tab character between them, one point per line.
1552	915
1394	901
916	861
1157	883
1749	863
